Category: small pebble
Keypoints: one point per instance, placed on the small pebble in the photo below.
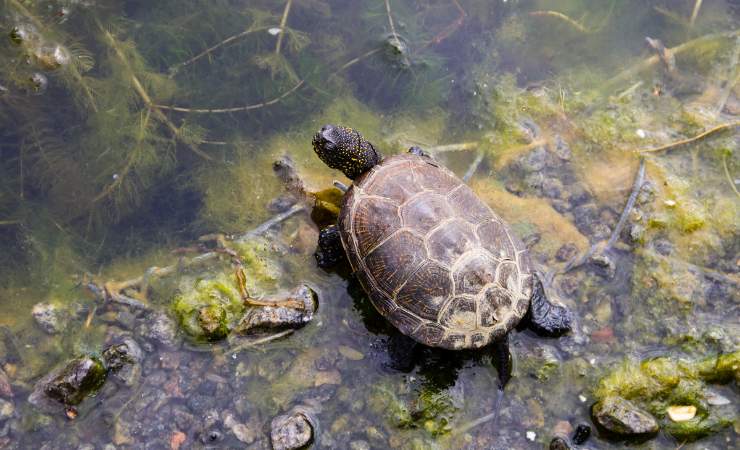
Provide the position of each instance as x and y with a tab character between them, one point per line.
582	398
681	413
531	435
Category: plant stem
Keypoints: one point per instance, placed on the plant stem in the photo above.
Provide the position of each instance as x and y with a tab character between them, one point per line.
699	137
231	110
393	28
561	16
147	99
173	70
695	12
628	207
283	22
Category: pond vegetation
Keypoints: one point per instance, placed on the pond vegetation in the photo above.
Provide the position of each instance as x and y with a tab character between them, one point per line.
156	174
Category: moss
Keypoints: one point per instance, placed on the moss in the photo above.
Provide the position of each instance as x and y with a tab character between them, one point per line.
428	409
208	308
259	264
657	383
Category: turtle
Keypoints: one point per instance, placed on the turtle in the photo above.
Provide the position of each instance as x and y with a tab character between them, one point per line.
435	260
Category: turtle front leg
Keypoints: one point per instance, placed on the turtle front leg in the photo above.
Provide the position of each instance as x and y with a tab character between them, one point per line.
547	318
330	250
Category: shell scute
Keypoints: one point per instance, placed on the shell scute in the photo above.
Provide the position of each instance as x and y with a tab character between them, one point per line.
367	229
424	211
391	262
426	291
451	240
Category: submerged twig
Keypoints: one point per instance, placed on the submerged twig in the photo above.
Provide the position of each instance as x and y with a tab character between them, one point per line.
283	22
9	222
262	228
699	137
174	69
452	147
473	167
262	340
451	28
639	178
695	12
561	16
393	29
234	109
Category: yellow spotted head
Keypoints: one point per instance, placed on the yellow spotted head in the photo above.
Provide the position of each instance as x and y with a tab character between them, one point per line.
345	149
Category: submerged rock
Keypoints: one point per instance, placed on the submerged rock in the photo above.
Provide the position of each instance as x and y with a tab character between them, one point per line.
265	318
161	329
70	384
292	430
50	317
124	361
623	418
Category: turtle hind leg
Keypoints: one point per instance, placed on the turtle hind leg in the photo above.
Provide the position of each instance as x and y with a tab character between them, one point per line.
545	317
330	251
502	361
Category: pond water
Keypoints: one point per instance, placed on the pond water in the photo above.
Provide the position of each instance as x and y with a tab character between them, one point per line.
151	153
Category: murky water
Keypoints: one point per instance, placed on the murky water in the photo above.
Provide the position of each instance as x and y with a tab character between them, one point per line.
139	140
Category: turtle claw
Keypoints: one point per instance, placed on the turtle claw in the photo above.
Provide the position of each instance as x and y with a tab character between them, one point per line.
502	361
545	317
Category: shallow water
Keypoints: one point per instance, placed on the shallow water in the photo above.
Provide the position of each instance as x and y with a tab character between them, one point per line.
544	104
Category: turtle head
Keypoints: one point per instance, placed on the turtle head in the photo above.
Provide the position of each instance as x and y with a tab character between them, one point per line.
345	149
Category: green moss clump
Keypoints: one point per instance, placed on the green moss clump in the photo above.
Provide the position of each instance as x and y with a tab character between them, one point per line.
655	384
262	272
431	410
208	308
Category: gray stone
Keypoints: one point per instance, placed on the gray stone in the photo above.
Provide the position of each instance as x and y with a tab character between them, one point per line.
70	384
265	318
359	445
50	317
6	390
623	418
291	431
6	410
162	329
124	361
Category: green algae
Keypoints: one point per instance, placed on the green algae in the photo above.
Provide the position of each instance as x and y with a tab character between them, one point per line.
657	383
208	308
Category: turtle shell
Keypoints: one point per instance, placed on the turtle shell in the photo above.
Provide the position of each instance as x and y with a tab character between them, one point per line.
435	260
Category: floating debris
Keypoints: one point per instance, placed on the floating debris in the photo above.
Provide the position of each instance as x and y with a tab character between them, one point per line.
681	413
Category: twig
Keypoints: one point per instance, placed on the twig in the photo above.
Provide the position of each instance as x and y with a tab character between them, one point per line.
451	28
699	137
695	12
231	110
356	60
174	69
473	167
628	207
452	147
147	99
562	17
671	15
9	222
629	90
262	228
283	22
655	59
727	174
259	341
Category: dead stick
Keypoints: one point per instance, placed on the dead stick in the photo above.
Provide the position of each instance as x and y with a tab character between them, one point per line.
628	207
231	110
393	28
704	135
452	147
262	340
